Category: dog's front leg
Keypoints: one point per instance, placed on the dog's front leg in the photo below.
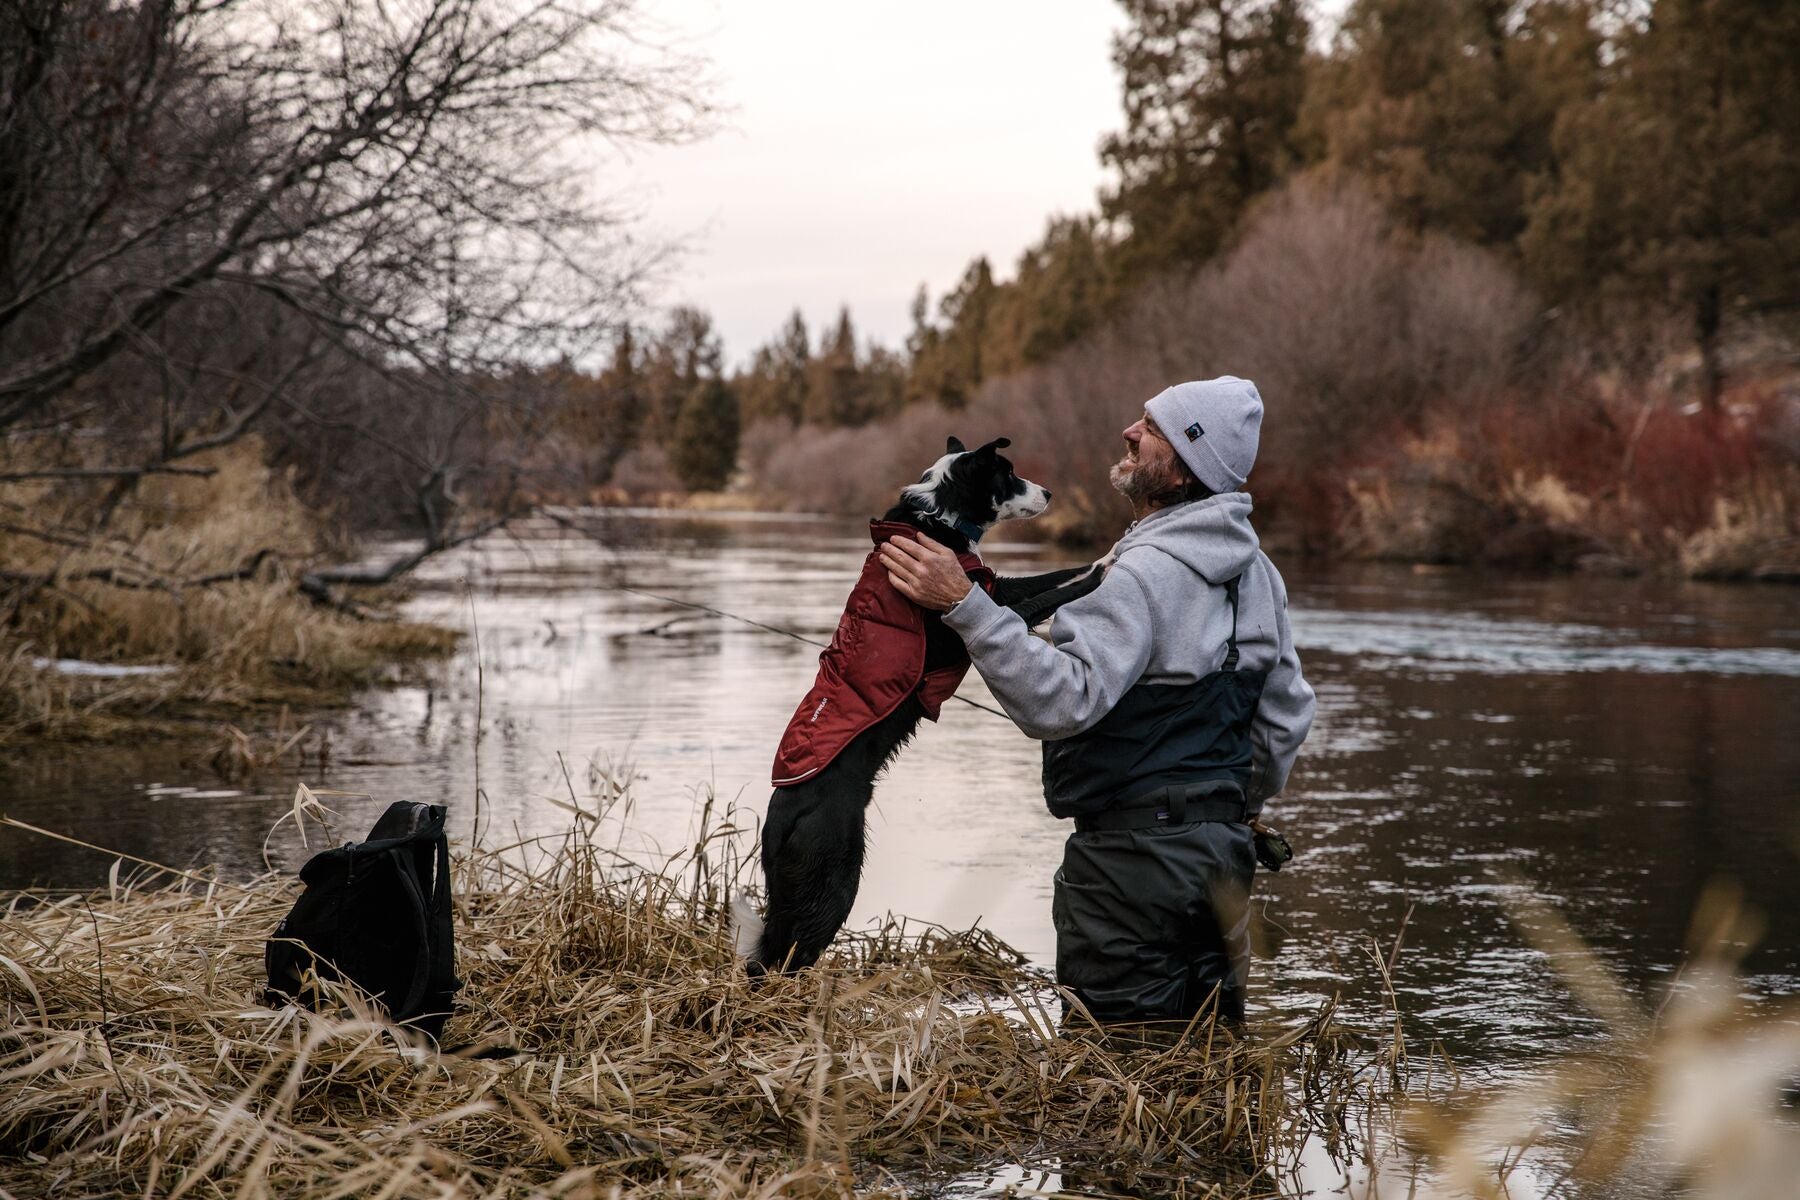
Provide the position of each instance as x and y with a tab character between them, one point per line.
1010	590
1042	605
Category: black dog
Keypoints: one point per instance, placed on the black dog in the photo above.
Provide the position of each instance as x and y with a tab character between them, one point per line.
813	840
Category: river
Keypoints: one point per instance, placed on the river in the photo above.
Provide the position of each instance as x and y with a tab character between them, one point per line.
1607	746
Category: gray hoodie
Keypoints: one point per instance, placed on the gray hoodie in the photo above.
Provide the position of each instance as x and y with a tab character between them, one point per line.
1159	616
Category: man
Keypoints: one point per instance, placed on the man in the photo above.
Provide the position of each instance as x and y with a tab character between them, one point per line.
1170	704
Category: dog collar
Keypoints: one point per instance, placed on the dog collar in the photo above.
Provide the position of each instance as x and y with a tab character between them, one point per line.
970	530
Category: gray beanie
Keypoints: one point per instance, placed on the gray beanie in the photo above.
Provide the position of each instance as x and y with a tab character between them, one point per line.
1213	425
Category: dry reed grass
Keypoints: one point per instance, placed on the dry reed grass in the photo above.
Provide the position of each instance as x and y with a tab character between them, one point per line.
140	1060
243	642
1688	1100
1754	527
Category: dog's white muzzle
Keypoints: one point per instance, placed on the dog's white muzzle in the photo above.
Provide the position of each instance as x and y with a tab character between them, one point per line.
1029	503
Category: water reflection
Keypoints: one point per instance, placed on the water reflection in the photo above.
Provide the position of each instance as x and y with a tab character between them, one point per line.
1610	745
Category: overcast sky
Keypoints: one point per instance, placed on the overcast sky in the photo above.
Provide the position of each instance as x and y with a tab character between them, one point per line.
870	146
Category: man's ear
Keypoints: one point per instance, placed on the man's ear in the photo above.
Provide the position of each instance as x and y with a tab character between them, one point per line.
954	446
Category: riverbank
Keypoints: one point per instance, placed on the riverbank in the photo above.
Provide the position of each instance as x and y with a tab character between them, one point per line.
1594	481
187	616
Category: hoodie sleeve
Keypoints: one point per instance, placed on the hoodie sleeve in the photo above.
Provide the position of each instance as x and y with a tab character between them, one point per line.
1283	716
1099	647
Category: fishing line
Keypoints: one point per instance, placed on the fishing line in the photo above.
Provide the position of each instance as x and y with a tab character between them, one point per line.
719	612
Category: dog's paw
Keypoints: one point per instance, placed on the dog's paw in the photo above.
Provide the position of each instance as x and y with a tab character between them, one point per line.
1102	565
746	927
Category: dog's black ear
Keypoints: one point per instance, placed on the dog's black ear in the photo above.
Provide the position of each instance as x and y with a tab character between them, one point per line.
1002	443
954	446
994	447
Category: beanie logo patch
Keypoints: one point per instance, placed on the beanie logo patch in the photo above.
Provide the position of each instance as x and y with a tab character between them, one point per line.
1194	432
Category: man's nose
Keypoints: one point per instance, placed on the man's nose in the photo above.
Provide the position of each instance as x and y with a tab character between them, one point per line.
1135	430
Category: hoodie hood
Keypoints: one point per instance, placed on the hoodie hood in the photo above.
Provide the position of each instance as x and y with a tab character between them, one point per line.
1211	537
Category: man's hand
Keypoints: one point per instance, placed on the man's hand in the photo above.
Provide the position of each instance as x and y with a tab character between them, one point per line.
924	572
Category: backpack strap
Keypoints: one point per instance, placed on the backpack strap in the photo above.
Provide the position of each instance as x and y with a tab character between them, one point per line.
441	916
421	974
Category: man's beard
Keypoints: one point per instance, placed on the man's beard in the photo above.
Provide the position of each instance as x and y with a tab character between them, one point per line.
1136	479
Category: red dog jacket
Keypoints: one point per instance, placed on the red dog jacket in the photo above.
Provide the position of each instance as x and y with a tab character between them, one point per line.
876	659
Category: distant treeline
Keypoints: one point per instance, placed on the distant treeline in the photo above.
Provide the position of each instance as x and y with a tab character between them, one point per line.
1462	203
357	237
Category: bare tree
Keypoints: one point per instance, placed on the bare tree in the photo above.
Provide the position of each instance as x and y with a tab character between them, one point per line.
349	216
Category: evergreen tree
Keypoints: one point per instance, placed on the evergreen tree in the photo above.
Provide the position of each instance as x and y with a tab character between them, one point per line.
1212	89
619	407
834	382
921	349
758	395
1445	107
1063	287
950	366
704	444
687	352
1679	181
775	386
883	383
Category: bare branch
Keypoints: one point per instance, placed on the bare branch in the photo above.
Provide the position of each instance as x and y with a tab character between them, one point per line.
317	581
105	472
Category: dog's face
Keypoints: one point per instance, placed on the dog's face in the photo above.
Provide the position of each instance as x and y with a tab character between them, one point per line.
978	487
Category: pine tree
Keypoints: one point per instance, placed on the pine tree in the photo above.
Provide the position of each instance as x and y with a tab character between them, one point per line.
704	445
1678	183
834	380
883	383
687	352
1063	287
774	388
1445	107
947	362
619	407
1212	89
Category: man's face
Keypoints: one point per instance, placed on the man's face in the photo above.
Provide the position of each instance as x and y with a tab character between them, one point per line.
1149	465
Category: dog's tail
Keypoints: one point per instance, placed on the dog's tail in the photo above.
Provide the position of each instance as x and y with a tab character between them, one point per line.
746	930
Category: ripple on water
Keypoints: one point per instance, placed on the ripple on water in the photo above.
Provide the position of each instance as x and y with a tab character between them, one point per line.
1430	641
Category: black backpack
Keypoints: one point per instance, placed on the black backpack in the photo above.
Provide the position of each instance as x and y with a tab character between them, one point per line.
378	914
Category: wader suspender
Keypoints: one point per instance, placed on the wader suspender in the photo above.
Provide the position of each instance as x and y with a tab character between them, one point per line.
1231	657
1179	803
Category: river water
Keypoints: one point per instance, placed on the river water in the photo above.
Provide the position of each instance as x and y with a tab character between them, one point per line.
1610	747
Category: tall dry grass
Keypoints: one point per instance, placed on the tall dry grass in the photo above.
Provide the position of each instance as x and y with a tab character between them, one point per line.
140	1060
1694	1098
1754	530
146	591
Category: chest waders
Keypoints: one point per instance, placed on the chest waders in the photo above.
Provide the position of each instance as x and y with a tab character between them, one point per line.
1151	909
